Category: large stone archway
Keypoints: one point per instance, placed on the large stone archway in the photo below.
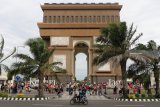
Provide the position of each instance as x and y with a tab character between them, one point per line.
73	28
81	47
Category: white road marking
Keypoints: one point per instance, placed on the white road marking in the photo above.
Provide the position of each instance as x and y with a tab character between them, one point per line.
129	105
47	105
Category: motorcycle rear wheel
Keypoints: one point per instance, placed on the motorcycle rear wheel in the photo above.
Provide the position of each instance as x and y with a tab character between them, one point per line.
85	102
72	101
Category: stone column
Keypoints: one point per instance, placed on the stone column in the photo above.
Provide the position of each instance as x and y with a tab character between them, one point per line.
73	65
89	64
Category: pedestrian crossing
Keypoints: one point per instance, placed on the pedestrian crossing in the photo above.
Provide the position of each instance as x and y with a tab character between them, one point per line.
66	96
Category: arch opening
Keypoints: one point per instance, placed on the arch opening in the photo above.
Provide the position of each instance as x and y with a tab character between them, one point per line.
81	61
81	66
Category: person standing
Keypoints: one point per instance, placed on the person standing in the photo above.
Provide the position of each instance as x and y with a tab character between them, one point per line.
2	87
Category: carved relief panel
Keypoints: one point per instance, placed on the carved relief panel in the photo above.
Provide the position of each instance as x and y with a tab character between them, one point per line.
59	41
60	58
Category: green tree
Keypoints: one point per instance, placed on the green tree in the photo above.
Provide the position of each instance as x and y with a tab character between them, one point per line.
85	78
153	65
114	45
141	71
2	58
38	64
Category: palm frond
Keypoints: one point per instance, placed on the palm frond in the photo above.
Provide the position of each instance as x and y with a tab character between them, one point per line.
107	53
1	55
24	68
37	47
4	67
139	57
103	39
1	44
24	57
115	60
46	55
131	33
135	39
8	55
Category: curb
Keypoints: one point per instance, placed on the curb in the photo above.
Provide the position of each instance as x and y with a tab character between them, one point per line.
107	97
23	99
138	100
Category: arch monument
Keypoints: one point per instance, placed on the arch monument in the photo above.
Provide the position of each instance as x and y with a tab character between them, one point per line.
73	28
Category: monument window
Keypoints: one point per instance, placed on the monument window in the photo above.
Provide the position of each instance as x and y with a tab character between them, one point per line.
112	19
108	18
45	19
63	19
67	20
98	19
90	19
81	18
85	18
76	20
50	19
103	19
94	18
72	19
58	19
54	19
117	19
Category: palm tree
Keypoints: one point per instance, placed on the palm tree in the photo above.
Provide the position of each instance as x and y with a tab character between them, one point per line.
114	45
154	51
2	58
37	65
140	71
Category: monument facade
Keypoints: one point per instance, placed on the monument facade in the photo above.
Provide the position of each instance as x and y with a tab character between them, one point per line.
72	29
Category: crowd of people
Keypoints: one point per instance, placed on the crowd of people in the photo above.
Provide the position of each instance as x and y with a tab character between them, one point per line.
71	88
91	89
12	87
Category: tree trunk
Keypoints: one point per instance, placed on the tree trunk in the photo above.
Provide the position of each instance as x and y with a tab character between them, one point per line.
124	77
40	89
156	75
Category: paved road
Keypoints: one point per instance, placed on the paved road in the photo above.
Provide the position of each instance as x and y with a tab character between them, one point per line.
66	96
65	103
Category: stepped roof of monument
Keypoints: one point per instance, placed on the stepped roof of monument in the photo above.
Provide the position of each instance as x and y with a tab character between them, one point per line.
81	3
81	6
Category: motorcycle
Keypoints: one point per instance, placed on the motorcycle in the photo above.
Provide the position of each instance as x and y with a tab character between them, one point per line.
76	99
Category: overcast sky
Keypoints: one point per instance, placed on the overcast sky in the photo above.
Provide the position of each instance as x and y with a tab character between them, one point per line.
18	19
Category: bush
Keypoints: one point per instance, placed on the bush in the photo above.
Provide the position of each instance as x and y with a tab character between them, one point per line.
131	96
3	94
20	96
150	96
143	96
137	95
157	96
